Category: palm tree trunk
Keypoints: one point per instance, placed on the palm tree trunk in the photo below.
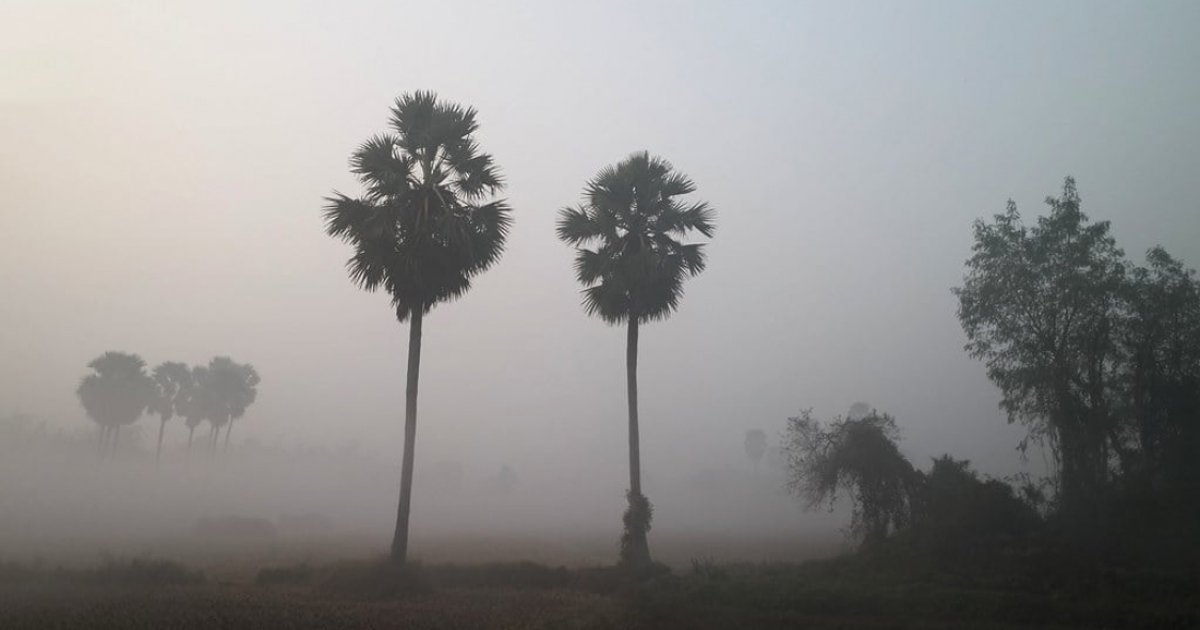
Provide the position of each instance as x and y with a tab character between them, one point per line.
400	538
116	440
228	430
158	451
635	455
191	432
103	433
639	547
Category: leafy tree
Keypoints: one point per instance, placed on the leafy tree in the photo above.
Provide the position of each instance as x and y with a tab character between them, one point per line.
115	394
1160	336
858	457
172	381
634	274
1040	306
756	446
426	225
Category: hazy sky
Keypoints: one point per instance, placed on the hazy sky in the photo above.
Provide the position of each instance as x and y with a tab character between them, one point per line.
163	166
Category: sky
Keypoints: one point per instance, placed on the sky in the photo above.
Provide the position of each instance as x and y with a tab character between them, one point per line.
163	167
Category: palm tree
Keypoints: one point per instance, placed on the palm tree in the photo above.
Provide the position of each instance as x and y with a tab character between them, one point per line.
234	388
116	393
191	404
635	274
426	225
173	381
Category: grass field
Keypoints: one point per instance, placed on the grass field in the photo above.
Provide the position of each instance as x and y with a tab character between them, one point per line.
846	592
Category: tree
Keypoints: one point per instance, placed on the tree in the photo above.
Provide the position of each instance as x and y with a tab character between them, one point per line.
426	225
172	381
1039	305
191	403
227	391
1160	381
115	394
756	446
856	456
633	275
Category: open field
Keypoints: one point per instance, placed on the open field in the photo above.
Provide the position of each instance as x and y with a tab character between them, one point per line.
847	592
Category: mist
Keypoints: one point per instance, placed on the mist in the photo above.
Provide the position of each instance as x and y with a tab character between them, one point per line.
165	167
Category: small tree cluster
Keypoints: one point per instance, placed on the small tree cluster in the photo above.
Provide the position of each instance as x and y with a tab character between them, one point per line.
948	511
1098	357
119	390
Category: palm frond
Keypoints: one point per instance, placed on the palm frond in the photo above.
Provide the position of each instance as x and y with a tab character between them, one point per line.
637	268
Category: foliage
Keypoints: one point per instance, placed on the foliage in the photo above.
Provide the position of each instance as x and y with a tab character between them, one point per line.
117	391
638	514
1160	380
1099	358
1040	305
172	380
858	457
633	215
225	389
961	518
427	222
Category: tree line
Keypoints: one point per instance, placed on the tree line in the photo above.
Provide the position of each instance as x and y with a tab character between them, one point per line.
119	390
1096	356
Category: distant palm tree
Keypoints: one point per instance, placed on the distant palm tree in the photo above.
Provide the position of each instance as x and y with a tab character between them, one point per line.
227	389
191	404
115	394
426	225
172	380
635	274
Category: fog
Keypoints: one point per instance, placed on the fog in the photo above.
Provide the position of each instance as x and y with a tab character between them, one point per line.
163	168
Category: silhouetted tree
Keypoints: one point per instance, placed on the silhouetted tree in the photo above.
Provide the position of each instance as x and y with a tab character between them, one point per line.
115	394
426	225
959	517
228	389
756	446
191	403
858	411
859	457
172	381
1160	382
634	275
1040	306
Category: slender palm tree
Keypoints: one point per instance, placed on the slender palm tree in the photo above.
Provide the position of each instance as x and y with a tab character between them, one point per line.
191	404
427	223
172	381
634	274
115	394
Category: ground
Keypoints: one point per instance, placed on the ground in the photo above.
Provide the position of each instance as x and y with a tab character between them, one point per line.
838	593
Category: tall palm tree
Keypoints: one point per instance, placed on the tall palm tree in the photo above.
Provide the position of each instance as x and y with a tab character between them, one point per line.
172	381
635	274
115	394
427	223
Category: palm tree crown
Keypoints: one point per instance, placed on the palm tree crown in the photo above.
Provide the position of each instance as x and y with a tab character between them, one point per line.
173	380
426	223
118	390
632	214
